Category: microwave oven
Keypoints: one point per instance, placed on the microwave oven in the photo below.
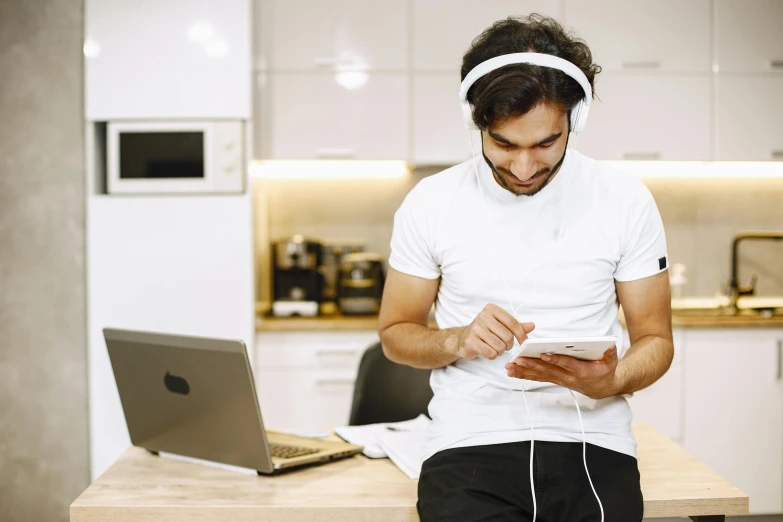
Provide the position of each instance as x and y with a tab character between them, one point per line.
165	157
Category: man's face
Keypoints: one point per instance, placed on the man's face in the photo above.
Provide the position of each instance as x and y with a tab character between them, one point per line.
525	152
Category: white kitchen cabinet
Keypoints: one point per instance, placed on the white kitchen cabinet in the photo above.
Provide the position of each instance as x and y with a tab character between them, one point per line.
444	29
342	34
310	400
648	116
439	134
351	115
167	59
749	35
734	409
661	404
666	35
170	264
312	350
305	380
749	116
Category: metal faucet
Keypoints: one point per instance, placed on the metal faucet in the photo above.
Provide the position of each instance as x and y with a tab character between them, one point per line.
735	288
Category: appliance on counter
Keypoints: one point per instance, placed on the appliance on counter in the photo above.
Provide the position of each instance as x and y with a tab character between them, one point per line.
361	284
149	157
298	282
331	260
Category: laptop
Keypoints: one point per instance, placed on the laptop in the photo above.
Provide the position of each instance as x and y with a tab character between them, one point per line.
195	397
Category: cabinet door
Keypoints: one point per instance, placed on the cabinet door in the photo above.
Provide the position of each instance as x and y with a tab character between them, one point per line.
354	34
346	114
648	116
167	59
444	29
439	134
316	350
749	115
734	409
312	400
667	35
748	35
661	404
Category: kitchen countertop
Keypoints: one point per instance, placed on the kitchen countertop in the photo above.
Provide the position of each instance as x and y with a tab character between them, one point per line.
695	320
322	323
680	319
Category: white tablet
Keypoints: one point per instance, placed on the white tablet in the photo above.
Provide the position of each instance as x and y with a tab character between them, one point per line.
585	348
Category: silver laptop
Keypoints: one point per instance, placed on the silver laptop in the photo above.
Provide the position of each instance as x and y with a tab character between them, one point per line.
196	397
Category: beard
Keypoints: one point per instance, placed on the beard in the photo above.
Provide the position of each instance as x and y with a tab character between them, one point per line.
544	175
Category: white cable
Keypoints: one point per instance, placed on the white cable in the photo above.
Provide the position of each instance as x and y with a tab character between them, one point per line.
486	207
532	443
514	310
584	453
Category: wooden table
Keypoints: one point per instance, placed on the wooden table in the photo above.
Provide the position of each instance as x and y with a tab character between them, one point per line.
142	488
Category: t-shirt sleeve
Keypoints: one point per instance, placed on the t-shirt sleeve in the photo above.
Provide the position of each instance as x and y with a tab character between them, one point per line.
412	242
643	252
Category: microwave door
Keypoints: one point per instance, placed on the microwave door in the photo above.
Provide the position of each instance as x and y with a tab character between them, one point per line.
162	155
160	161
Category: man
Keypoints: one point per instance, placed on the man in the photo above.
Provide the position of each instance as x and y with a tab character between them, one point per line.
541	241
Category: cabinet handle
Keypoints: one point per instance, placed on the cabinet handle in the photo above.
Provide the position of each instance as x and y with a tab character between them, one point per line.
324	61
780	359
641	155
777	154
334	381
776	64
642	64
346	353
335	152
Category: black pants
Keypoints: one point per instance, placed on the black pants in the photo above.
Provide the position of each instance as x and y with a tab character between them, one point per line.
493	483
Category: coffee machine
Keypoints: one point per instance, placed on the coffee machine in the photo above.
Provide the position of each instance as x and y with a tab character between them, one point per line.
298	282
361	284
333	252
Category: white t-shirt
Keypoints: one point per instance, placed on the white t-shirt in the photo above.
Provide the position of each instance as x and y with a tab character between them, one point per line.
554	257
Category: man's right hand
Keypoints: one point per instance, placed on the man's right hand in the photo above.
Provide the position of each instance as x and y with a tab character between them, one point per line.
491	333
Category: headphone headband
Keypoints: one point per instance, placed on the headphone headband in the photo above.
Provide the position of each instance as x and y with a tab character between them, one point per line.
578	114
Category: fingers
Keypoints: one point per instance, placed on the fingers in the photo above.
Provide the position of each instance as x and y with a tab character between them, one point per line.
529	363
610	356
519	330
530	374
495	343
528	327
566	362
493	332
503	333
480	341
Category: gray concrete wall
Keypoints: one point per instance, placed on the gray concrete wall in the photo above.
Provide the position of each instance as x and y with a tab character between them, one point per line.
43	358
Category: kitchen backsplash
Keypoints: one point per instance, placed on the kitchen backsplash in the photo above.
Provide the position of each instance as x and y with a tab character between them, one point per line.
700	217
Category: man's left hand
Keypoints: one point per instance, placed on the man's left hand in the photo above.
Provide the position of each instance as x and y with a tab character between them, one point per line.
596	379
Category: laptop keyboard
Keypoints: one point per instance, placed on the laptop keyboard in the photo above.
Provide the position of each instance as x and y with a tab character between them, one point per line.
284	451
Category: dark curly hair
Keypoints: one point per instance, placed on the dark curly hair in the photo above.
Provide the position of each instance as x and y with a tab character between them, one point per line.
515	89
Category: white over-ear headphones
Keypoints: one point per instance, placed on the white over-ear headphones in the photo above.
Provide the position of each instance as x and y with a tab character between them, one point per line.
579	112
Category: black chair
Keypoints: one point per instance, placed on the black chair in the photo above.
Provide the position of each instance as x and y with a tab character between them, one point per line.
388	392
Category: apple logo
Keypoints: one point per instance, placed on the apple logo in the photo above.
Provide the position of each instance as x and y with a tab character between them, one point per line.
176	384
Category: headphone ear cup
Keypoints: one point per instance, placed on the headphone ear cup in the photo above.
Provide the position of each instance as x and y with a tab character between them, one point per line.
467	116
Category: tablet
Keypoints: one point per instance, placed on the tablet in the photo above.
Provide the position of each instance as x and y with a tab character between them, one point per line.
585	348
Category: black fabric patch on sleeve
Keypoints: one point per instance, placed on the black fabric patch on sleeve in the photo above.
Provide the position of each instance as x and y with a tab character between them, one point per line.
662	263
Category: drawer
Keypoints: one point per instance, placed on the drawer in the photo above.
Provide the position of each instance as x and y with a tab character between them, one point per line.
309	400
341	350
